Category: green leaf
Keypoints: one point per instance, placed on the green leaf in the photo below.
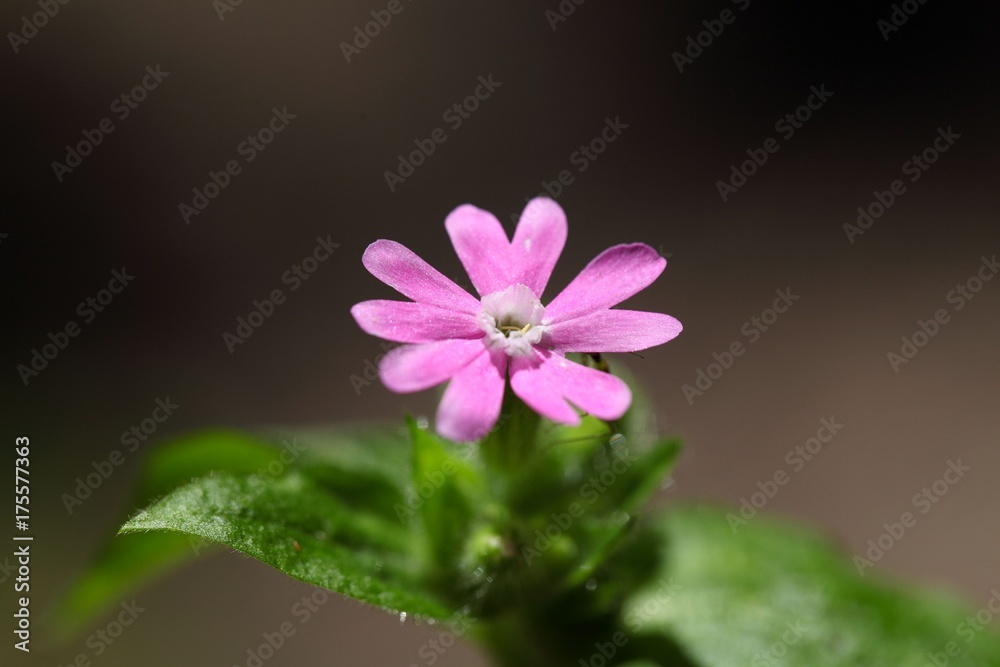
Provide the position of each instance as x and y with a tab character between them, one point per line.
635	475
293	524
770	594
558	472
444	487
512	440
362	466
365	467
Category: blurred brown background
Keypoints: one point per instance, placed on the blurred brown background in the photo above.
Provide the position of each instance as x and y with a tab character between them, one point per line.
324	175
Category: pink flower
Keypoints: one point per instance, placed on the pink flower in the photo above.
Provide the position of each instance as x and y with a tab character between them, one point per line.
474	341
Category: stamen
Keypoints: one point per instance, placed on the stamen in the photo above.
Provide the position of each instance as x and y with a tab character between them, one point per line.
523	330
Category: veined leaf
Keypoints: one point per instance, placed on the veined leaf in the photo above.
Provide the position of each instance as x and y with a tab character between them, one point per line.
294	525
363	467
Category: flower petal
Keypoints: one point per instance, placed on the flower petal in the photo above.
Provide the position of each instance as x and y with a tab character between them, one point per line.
411	322
417	367
601	394
482	246
534	386
471	404
610	278
538	242
612	331
398	267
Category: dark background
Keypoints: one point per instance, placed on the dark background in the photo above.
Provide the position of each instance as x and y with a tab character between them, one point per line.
323	175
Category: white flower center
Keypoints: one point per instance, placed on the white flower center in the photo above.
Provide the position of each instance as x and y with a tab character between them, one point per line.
512	319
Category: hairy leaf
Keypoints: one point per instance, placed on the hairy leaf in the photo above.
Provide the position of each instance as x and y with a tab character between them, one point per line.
363	467
295	525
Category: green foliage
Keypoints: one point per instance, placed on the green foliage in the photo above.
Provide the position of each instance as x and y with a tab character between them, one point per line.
775	595
535	534
360	471
446	489
294	525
